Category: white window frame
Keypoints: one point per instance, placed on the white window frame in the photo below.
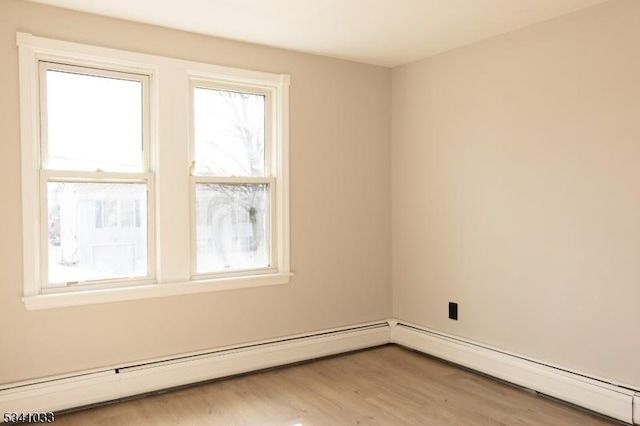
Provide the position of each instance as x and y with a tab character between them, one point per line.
145	176
270	177
169	157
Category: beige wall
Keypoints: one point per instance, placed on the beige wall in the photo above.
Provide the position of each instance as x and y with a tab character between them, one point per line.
340	211
516	191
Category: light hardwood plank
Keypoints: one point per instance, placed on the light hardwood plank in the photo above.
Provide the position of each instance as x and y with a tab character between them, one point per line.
388	385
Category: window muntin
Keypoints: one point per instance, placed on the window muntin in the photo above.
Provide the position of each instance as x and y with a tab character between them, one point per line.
94	176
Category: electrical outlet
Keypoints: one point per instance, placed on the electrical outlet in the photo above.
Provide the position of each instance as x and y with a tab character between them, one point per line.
453	311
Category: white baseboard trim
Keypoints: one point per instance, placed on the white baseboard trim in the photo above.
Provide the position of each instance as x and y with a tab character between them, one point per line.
102	385
80	389
610	400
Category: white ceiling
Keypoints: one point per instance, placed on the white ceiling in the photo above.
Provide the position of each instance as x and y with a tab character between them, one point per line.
382	32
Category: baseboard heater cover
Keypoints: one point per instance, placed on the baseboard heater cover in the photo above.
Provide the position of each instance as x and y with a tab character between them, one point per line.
96	386
605	398
81	389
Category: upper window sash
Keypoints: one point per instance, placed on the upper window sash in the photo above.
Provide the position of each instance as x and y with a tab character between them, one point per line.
96	138
242	104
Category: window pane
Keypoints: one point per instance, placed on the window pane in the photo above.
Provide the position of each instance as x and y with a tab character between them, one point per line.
93	123
229	133
232	227
94	231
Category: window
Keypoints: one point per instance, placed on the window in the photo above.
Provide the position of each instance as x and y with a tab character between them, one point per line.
153	176
93	128
122	213
232	179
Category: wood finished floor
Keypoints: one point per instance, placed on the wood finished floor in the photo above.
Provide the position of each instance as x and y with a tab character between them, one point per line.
388	385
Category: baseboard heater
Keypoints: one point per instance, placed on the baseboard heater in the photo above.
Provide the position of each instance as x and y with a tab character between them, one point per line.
602	397
113	383
122	381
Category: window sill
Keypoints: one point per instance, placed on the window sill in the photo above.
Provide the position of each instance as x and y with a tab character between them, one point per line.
90	297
